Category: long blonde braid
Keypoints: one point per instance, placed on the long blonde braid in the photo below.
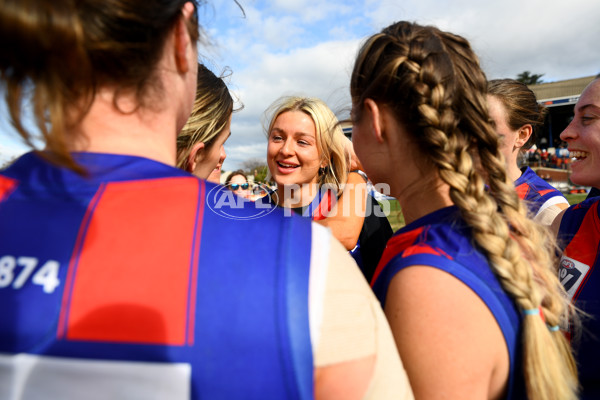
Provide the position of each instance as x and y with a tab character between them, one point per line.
433	82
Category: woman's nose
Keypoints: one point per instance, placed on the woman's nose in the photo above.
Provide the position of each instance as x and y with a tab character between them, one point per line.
287	148
570	131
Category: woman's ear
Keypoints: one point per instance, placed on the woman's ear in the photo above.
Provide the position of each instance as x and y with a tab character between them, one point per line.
195	156
376	123
182	38
524	134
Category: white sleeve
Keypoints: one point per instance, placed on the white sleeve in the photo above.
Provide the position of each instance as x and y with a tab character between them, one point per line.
551	202
319	261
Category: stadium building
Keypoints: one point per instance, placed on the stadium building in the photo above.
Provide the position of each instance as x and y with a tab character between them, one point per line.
560	98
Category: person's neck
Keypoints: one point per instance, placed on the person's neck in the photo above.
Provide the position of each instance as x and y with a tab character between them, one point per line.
294	196
513	171
149	133
423	198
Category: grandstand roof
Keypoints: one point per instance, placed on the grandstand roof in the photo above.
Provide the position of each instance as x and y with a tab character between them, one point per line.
560	92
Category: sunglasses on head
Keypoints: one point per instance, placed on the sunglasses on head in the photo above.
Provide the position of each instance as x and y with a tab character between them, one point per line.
236	186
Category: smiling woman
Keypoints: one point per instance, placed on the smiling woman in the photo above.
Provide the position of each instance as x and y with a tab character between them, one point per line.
292	153
305	150
579	234
308	158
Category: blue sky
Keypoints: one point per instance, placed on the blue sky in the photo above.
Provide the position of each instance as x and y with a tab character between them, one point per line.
307	47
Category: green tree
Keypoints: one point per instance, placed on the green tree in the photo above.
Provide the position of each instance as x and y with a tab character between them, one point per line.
261	174
530	79
256	167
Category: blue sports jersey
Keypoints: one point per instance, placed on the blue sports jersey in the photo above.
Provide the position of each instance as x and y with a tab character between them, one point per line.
138	281
442	240
537	193
374	234
579	237
316	210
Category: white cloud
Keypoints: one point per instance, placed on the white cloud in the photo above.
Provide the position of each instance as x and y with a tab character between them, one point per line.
308	46
8	153
237	154
557	39
310	11
11	143
322	71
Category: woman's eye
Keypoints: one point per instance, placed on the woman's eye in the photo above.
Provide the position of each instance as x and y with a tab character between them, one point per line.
586	120
276	138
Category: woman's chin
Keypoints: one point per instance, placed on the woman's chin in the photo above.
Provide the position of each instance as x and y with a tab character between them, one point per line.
584	180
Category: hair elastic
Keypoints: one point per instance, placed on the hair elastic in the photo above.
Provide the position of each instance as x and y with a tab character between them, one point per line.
532	311
554	328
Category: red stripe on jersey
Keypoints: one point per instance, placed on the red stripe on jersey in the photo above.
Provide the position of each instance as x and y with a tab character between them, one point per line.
394	246
194	268
522	190
421	248
325	206
62	318
584	246
131	278
545	192
7	186
410	245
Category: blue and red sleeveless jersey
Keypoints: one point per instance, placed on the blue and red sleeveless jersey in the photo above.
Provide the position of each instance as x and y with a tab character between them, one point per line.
442	240
374	234
316	210
536	192
579	237
139	280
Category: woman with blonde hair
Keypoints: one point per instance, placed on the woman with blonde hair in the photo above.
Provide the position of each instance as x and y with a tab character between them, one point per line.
307	131
469	284
308	159
200	144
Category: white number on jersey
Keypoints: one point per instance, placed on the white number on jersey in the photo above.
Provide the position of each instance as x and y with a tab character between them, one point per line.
16	272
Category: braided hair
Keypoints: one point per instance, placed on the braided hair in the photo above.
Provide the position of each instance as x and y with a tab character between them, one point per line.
432	82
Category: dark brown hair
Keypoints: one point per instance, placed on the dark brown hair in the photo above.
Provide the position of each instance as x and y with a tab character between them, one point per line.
520	104
56	54
235	173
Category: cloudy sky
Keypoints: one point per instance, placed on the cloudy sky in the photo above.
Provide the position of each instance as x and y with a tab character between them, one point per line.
307	47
